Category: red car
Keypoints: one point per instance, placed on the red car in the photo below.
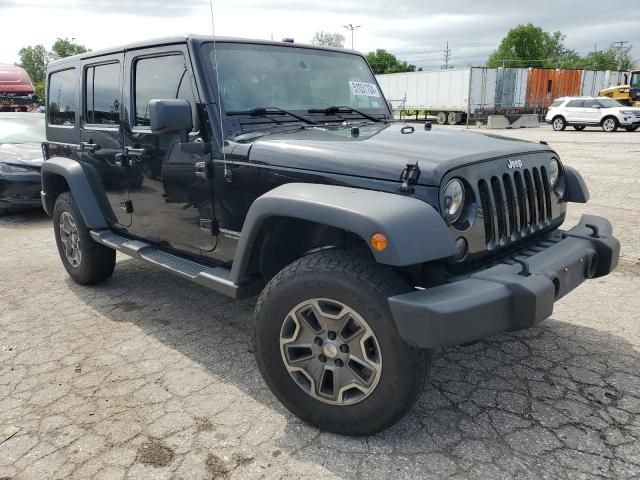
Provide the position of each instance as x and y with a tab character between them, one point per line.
16	90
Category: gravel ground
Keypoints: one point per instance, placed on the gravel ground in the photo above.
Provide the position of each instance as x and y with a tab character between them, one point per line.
148	376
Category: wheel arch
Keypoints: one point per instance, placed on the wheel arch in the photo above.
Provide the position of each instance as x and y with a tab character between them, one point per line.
60	175
415	231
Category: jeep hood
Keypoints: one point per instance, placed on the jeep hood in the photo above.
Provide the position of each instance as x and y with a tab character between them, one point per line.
381	151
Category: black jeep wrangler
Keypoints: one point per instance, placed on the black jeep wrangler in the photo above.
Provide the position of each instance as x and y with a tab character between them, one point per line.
270	168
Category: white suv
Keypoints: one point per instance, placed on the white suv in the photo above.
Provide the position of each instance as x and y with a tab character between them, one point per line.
580	112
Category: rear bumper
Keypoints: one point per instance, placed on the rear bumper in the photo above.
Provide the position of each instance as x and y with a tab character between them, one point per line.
506	297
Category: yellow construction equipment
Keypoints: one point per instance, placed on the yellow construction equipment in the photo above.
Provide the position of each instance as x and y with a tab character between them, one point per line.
626	94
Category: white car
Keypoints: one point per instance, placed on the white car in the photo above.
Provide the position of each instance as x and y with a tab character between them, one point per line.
581	112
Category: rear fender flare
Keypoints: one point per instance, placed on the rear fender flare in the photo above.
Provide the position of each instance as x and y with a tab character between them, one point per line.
88	193
415	231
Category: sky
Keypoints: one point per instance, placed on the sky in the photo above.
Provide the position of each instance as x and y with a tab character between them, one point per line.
413	30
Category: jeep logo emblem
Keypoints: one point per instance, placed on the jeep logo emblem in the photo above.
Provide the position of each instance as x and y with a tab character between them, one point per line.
514	164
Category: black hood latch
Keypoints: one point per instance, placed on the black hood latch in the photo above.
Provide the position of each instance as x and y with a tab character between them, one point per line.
409	177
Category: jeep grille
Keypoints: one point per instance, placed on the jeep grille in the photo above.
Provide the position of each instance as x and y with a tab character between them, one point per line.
515	205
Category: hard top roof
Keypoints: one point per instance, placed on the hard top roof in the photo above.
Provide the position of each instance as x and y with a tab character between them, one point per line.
177	39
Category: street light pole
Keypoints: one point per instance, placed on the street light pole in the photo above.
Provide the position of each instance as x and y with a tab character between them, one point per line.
352	28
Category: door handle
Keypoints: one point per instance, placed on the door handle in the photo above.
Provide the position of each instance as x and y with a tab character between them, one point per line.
89	147
135	152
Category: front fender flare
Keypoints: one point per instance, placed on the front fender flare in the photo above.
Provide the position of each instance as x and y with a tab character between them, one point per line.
415	230
88	197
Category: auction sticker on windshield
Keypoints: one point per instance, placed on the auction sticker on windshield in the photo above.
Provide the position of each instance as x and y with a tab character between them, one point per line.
364	89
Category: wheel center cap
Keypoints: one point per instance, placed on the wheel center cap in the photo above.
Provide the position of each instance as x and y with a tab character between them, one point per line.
330	350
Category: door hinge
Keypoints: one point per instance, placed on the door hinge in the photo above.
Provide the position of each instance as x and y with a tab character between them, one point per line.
210	226
409	177
126	205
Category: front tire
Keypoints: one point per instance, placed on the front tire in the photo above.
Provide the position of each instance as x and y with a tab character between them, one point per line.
609	124
559	124
632	128
328	349
86	261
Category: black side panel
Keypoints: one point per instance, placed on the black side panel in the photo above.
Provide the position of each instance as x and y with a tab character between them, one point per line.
577	191
415	231
88	195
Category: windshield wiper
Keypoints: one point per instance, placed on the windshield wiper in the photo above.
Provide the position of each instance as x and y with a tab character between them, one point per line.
264	111
334	110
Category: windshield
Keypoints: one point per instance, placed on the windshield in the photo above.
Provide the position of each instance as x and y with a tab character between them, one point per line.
609	103
22	128
295	79
635	80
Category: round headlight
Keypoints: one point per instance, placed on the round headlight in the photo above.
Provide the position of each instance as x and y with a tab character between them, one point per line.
453	200
553	172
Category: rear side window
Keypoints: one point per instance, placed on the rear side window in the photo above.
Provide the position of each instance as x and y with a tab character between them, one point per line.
576	103
557	103
63	98
160	78
102	94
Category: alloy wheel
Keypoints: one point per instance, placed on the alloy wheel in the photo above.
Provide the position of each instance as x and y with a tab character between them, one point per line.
609	125
330	351
70	239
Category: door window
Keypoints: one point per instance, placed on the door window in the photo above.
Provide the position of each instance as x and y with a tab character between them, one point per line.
575	104
592	104
163	77
102	94
63	98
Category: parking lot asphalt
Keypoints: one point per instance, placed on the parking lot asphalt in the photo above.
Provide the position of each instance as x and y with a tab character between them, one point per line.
149	376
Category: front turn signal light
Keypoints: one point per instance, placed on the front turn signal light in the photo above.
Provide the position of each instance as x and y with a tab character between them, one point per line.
378	242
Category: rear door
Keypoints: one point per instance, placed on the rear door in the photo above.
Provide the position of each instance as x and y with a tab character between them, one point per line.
173	201
574	110
101	135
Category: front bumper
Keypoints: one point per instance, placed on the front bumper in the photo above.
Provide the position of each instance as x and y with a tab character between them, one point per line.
20	191
513	295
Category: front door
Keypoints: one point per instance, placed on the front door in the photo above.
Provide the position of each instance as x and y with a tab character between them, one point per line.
101	137
592	111
173	201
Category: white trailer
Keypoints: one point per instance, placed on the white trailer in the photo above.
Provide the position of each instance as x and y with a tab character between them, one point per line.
453	95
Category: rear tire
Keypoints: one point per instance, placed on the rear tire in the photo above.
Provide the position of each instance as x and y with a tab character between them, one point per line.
609	124
86	261
326	283
579	127
559	124
442	118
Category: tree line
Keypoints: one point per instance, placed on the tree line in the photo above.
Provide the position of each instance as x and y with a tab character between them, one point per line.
523	46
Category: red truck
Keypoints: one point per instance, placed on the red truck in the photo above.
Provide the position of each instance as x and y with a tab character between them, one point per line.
16	90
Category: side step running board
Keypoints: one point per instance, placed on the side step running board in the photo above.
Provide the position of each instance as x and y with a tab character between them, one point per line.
215	278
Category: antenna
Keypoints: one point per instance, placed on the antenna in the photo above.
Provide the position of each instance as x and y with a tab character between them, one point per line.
447	56
227	172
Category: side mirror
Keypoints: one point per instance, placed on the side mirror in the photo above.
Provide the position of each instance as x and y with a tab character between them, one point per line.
171	116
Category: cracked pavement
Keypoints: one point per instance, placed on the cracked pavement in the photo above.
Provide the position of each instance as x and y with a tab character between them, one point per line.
149	376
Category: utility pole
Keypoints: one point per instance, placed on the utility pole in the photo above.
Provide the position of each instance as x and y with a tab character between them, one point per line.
622	48
446	56
352	28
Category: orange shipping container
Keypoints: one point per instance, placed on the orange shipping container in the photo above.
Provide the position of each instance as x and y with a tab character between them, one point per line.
547	84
